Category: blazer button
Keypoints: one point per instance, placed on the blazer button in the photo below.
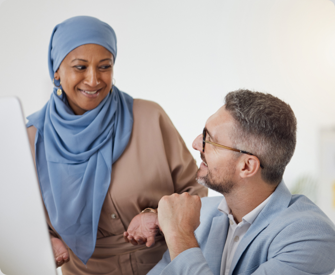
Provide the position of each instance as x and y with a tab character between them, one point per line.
113	216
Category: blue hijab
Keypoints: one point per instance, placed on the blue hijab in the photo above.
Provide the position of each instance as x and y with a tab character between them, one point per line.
75	153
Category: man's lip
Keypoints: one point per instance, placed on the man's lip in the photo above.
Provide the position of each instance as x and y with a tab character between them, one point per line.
203	164
204	161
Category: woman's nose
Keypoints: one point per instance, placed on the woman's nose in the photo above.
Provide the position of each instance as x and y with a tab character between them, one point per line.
197	143
92	78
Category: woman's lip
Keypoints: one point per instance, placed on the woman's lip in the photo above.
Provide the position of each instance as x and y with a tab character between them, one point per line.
90	95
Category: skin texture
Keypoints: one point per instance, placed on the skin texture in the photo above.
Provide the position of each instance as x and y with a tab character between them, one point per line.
60	251
220	172
87	68
179	217
142	229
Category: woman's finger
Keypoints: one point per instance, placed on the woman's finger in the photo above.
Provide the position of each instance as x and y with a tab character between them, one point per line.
150	241
140	240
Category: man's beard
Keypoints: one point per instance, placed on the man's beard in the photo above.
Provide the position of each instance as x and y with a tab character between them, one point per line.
225	184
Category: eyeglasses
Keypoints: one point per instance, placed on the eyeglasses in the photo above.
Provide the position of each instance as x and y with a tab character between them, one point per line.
204	141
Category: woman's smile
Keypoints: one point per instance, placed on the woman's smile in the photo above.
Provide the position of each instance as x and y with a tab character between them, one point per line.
86	75
90	94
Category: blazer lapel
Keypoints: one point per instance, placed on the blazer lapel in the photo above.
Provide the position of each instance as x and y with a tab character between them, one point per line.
215	244
279	202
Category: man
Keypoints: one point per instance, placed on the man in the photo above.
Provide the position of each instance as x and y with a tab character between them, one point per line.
258	227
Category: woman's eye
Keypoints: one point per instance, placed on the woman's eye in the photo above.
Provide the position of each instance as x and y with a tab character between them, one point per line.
80	67
105	67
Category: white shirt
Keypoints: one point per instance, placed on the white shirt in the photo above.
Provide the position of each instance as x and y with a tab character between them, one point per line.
236	232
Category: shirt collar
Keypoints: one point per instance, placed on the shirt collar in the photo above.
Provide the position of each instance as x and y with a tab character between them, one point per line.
223	206
250	217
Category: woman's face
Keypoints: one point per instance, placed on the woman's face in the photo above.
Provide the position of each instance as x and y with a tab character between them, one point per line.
86	75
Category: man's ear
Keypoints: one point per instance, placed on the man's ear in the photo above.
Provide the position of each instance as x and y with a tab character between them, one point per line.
249	166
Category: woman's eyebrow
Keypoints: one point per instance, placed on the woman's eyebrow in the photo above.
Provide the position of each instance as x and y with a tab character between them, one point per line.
83	60
107	59
78	59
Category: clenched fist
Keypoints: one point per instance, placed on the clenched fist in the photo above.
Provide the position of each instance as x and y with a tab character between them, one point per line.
178	218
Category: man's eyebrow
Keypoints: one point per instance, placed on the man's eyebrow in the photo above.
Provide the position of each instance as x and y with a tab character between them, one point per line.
208	133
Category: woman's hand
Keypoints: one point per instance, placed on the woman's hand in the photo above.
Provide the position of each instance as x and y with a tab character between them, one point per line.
142	229
60	251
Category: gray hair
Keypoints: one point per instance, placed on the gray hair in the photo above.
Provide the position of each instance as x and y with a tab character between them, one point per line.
266	126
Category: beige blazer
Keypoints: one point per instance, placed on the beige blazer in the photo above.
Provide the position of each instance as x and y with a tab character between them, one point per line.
155	163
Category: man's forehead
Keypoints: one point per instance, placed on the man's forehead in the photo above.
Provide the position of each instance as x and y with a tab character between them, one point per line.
221	121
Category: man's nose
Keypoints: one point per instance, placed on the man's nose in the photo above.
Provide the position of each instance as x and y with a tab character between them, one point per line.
197	143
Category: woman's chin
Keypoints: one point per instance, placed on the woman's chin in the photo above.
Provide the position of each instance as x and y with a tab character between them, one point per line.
82	107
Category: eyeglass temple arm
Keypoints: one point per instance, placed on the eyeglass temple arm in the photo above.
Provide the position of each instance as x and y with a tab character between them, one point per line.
229	148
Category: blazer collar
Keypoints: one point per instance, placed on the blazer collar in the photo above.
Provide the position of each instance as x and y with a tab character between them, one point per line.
278	202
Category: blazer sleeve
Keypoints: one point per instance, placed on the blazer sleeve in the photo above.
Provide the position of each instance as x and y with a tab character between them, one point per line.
298	251
191	261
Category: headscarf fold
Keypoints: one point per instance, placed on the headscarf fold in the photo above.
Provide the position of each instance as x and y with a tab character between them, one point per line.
75	153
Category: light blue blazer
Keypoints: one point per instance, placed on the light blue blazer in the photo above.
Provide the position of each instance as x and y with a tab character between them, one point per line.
291	235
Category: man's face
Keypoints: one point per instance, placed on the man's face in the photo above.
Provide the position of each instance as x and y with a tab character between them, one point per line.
218	168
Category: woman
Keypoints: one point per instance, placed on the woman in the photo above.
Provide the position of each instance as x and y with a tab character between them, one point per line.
102	157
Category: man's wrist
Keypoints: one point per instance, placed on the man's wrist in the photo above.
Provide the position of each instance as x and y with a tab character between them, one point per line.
178	242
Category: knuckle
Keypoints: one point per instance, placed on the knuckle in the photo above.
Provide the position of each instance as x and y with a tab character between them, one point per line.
197	198
163	199
185	194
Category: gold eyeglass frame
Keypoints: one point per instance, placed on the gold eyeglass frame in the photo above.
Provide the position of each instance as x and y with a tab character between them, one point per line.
204	141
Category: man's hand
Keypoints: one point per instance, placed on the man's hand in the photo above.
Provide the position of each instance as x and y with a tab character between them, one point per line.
142	229
178	218
60	251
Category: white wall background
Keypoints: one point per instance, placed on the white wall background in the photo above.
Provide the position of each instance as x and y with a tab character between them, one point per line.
186	55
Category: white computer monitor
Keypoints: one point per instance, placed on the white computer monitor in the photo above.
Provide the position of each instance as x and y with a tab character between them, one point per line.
25	247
